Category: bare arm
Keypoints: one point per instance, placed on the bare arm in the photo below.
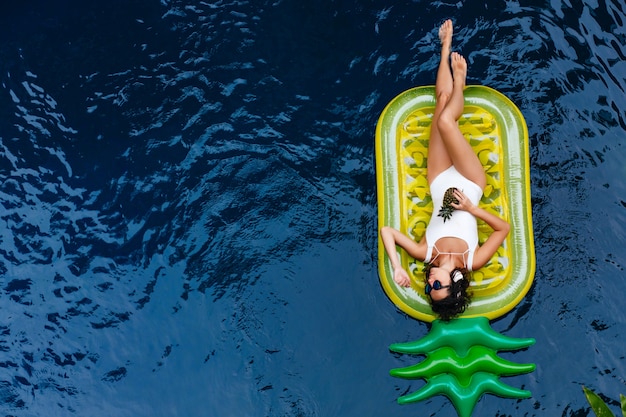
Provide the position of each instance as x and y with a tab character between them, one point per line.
500	229
392	238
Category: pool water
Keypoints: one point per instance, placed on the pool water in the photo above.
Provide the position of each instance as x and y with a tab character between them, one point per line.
188	203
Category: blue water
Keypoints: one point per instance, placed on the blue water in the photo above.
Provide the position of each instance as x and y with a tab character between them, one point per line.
188	203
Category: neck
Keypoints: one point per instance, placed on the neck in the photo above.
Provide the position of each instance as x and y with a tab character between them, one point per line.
448	262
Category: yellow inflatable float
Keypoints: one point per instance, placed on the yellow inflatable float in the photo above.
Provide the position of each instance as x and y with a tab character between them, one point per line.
497	131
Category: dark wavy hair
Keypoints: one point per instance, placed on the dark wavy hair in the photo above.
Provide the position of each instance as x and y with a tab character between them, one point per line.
458	298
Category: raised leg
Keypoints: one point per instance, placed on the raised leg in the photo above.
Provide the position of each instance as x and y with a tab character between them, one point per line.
438	158
458	148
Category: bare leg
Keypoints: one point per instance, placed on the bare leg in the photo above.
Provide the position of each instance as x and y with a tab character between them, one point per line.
455	106
444	82
459	150
438	158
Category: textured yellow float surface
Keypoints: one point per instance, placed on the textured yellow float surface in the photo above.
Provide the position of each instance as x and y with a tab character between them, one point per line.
496	129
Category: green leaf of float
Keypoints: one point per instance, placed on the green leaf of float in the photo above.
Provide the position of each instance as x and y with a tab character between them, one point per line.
598	406
463	397
478	359
623	401
461	334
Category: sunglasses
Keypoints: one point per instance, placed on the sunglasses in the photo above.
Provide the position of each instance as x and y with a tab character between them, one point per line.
436	286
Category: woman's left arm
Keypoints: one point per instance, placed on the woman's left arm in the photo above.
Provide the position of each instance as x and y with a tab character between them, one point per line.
500	229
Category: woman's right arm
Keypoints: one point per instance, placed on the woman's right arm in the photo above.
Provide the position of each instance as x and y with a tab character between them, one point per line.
392	238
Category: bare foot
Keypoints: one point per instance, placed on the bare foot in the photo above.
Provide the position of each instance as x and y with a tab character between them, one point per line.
445	35
459	68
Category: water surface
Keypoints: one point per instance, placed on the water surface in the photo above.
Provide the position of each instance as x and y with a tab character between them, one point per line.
188	202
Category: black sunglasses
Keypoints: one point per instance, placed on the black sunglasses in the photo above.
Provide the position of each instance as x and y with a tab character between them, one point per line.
436	286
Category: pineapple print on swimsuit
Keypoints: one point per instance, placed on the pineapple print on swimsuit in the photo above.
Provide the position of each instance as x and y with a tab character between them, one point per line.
446	209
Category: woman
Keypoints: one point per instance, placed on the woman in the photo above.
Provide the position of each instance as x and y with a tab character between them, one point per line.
449	248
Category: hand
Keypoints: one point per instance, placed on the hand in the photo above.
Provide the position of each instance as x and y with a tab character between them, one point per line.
464	203
401	277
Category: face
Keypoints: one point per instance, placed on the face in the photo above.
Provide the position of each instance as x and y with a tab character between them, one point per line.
443	276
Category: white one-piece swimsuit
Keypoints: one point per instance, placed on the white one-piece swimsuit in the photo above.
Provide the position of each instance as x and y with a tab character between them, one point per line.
461	224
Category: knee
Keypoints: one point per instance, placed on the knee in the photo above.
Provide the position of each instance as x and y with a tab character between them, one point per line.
446	122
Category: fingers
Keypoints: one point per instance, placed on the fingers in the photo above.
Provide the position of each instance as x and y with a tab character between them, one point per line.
464	203
402	278
460	197
403	281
